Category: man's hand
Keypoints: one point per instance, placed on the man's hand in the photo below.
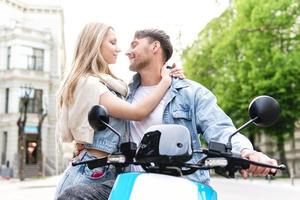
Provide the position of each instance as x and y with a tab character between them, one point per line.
258	157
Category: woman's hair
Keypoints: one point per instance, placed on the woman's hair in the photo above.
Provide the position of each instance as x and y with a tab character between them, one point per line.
87	60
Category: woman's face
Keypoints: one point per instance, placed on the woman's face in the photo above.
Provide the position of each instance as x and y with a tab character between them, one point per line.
109	48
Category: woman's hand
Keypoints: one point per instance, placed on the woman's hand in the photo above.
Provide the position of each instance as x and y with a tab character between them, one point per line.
166	75
177	72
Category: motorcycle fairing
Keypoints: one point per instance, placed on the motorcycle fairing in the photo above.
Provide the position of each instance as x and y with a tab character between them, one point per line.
148	186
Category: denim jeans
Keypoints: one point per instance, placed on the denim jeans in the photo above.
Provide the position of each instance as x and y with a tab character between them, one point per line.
81	175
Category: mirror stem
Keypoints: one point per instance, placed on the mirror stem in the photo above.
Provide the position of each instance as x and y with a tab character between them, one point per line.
113	130
229	145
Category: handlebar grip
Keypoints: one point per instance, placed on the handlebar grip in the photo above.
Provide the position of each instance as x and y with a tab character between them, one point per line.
280	167
99	162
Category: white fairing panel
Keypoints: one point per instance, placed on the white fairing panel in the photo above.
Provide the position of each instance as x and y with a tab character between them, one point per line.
158	187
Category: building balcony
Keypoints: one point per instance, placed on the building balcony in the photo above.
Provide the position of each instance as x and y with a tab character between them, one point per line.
24	74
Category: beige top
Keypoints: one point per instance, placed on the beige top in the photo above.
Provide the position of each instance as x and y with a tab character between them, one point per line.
72	122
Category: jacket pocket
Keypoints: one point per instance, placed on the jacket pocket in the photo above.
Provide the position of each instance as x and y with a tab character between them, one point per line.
180	114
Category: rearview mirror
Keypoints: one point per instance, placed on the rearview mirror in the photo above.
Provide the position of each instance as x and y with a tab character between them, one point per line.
265	109
96	116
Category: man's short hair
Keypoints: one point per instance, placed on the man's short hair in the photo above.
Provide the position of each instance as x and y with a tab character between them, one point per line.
157	35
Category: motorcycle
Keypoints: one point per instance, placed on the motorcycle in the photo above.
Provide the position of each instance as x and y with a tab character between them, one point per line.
163	154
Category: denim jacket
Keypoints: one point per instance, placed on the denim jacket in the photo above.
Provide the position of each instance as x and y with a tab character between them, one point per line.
192	105
106	140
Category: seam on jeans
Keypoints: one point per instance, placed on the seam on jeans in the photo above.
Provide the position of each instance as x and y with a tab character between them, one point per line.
63	183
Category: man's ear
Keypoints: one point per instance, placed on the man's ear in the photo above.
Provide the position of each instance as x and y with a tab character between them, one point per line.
156	46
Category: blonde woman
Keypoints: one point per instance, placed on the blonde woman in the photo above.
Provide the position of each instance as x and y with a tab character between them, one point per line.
91	82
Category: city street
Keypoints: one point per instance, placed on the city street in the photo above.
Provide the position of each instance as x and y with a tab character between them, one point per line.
33	189
258	189
228	189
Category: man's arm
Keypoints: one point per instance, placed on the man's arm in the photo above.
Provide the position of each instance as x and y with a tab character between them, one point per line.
216	125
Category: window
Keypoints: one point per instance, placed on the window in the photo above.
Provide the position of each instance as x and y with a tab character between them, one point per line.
8	57
4	148
6	99
35	102
35	60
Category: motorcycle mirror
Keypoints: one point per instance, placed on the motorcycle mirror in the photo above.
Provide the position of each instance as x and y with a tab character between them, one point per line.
99	120
264	110
96	116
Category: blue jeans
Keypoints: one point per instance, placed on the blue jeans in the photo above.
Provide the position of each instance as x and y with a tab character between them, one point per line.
82	175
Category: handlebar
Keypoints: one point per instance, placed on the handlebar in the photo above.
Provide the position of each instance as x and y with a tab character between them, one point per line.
224	163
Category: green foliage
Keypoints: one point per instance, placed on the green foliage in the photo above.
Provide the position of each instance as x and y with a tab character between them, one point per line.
252	49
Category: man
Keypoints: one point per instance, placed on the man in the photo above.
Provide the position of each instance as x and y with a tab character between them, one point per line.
187	103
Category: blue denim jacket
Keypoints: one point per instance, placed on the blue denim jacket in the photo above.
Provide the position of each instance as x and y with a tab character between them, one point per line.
195	107
106	140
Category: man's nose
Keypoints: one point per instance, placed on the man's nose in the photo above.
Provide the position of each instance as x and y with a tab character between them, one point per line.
128	52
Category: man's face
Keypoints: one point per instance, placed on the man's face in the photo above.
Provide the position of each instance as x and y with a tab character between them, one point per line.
139	54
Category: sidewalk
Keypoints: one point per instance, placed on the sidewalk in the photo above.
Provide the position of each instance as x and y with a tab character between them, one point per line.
33	189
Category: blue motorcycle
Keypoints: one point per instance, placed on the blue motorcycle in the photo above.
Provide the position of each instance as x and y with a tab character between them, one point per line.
163	154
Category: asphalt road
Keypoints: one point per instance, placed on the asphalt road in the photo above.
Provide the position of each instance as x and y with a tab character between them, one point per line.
239	189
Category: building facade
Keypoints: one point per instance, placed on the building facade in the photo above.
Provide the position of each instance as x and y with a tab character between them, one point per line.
32	54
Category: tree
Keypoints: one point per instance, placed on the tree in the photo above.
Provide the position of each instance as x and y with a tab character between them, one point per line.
21	123
41	117
252	49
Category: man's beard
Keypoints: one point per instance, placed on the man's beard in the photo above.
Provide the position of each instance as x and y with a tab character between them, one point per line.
135	67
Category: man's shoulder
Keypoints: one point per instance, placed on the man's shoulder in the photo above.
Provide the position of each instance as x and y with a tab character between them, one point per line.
188	84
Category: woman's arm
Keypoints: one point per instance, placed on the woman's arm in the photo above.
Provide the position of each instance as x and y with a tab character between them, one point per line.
121	109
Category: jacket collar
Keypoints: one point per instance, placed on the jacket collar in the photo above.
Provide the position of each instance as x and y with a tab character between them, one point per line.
176	83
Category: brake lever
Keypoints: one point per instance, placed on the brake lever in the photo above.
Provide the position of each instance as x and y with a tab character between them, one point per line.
92	164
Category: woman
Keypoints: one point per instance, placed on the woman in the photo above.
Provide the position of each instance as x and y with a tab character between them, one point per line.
91	82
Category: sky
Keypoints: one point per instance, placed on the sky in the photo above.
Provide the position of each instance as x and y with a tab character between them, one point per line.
187	17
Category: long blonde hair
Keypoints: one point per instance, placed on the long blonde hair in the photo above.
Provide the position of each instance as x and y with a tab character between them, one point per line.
87	60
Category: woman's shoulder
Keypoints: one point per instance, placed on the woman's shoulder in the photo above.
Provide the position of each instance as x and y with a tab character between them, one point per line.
91	83
92	79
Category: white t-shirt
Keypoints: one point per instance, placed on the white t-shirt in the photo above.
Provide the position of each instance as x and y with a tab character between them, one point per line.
138	128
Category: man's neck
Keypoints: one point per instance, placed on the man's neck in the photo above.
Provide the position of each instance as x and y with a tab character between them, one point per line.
151	75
